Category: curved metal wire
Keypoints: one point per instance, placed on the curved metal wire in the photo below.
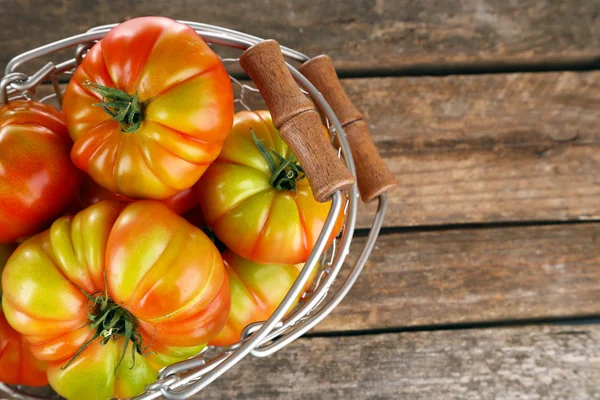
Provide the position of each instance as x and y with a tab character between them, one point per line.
184	379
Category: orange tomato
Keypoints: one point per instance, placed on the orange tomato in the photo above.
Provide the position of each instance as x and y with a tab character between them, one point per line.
261	217
140	278
167	107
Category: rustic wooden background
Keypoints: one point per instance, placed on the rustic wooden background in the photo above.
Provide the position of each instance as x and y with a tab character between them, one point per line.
486	280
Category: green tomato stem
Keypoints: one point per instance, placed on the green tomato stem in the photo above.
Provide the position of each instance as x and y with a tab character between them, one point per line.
127	110
283	174
111	322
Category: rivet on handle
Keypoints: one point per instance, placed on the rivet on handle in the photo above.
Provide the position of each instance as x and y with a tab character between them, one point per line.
296	118
373	175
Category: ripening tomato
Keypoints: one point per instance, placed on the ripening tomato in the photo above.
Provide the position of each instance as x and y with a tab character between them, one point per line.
18	366
167	106
92	193
106	280
256	207
256	292
37	178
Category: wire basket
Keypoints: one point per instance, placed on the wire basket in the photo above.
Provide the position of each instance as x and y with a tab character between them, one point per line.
185	379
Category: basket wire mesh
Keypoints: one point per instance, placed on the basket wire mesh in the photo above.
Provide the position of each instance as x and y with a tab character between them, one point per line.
261	339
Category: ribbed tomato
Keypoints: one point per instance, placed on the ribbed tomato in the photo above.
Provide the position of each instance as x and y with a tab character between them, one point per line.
106	280
148	108
257	201
256	292
37	178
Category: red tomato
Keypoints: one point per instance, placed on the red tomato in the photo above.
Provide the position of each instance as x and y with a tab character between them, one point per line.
141	278
37	178
256	292
264	216
171	107
18	366
92	193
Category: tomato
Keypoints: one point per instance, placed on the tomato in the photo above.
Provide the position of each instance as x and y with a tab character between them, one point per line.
244	207
167	107
37	178
256	292
18	366
106	279
92	193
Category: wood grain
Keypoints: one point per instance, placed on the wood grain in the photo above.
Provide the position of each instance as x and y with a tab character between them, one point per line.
539	362
360	35
488	148
483	148
473	276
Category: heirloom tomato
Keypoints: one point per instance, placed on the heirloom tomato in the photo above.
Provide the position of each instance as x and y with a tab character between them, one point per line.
92	193
148	108
37	178
97	292
18	366
256	199
256	291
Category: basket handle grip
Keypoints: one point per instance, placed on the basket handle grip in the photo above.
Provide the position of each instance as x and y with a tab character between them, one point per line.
374	178
297	120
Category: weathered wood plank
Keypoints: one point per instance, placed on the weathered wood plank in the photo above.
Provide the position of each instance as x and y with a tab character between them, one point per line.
533	362
473	276
360	35
484	148
540	362
470	149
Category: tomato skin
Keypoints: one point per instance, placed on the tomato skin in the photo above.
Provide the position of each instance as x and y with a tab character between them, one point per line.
256	292
37	178
18	366
250	216
96	367
157	266
188	109
92	193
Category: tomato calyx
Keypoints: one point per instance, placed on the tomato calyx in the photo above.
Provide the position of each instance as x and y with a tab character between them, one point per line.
283	175
127	110
111	322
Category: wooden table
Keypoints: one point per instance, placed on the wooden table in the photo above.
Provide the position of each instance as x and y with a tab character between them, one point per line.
486	279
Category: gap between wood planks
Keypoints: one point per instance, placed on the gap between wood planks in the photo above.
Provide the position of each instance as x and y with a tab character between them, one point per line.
570	321
481	68
364	232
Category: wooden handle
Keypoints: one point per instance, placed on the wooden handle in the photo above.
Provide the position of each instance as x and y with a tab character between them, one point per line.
373	175
296	118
